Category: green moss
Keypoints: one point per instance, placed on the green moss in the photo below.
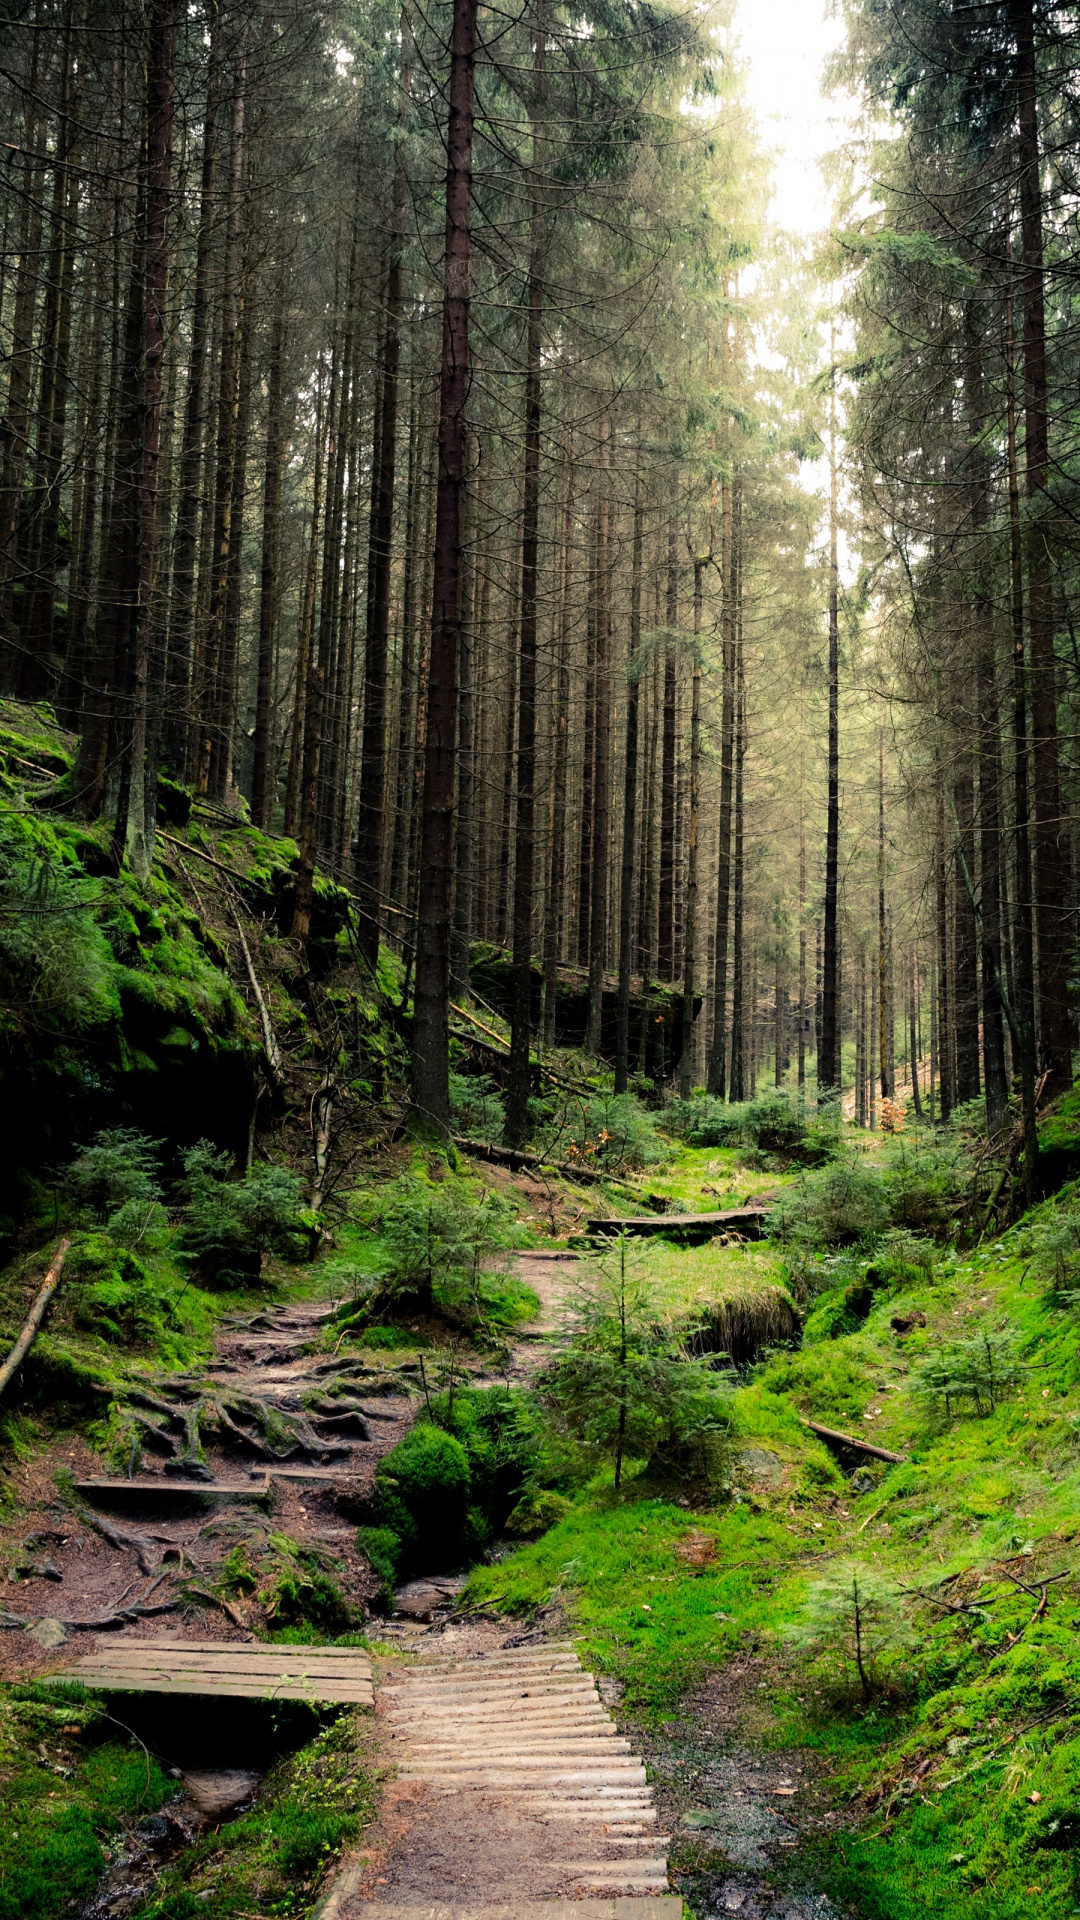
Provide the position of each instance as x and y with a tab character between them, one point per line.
64	1791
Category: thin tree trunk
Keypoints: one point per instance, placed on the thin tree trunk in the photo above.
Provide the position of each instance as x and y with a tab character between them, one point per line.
431	1029
1051	861
517	1093
1024	959
829	1062
598	931
371	829
630	809
666	942
686	1059
186	534
261	793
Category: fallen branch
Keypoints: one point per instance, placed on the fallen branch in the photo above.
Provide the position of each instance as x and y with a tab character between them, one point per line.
849	1440
270	1042
35	1317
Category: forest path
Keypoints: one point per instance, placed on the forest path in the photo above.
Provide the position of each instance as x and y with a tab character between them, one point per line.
273	1436
513	1792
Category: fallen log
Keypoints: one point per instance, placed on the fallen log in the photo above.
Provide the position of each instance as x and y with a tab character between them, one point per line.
747	1221
849	1440
35	1317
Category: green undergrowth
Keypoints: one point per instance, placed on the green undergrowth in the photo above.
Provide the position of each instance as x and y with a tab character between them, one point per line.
708	1179
310	1807
954	1759
70	1791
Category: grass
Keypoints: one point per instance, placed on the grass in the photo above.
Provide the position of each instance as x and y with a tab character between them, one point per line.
66	1791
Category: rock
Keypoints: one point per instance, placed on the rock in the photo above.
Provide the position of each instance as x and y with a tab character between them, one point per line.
759	1464
48	1633
216	1792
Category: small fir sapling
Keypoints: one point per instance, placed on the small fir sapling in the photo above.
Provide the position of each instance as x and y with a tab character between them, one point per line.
624	1386
855	1615
120	1167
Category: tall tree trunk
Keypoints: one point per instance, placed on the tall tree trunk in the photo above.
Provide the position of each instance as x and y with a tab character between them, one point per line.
738	968
1051	861
666	943
717	1078
965	933
207	722
598	931
53	353
913	1039
305	638
178	672
370	833
262	797
945	1028
802	936
517	1091
465	827
557	847
630	809
1023	929
686	1058
829	1061
136	811
989	739
431	1028
15	430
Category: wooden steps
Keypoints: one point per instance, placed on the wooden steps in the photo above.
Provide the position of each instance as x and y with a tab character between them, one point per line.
319	1676
527	1725
163	1487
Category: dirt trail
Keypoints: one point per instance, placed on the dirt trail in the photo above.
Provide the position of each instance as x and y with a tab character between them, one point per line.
272	1403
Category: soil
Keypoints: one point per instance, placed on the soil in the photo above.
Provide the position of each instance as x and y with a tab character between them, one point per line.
74	1574
736	1806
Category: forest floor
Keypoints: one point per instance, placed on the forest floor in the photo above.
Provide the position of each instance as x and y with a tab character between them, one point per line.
948	1789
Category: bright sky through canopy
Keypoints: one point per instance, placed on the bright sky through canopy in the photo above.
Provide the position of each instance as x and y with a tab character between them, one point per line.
784	44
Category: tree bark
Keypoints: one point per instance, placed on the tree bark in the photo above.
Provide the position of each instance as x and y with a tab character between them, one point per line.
517	1091
262	797
431	1028
1051	862
371	823
829	1061
630	810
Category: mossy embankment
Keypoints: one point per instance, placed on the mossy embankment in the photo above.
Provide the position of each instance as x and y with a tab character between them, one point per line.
954	1766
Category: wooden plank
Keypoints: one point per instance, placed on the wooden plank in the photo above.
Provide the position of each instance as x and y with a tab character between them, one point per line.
174	1644
319	1693
157	1489
255	1670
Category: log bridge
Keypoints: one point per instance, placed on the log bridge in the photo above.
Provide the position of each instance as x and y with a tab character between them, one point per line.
747	1222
